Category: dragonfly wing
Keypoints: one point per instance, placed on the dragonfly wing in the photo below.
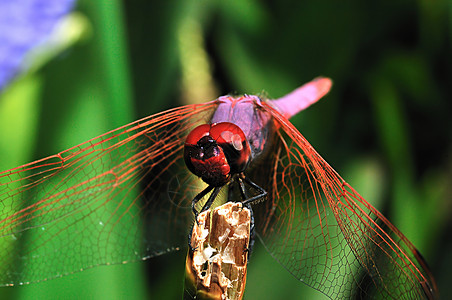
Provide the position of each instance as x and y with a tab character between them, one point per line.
122	196
326	234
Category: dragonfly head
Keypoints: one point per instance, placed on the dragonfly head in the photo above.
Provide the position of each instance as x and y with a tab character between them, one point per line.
217	151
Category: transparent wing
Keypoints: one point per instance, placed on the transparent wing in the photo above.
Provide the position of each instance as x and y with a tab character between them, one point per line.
325	233
122	196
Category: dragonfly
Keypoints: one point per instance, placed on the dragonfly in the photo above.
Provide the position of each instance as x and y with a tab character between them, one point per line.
128	195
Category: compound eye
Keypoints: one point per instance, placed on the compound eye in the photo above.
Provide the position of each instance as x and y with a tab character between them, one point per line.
228	133
215	152
234	143
197	134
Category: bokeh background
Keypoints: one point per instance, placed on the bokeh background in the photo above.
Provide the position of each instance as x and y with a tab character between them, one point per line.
385	127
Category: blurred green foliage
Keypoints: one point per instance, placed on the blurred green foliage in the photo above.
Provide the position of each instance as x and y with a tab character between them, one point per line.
385	127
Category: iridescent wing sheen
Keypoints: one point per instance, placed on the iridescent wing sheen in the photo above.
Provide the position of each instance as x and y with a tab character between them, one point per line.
122	196
324	233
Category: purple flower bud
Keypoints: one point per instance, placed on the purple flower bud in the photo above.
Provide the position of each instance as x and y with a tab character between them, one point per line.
25	24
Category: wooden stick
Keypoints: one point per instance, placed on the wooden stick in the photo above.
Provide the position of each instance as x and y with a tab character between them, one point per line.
216	264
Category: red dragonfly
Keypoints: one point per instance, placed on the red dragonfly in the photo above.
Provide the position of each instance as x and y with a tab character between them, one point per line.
127	195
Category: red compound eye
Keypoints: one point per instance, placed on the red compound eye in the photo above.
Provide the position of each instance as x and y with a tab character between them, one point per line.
197	133
215	152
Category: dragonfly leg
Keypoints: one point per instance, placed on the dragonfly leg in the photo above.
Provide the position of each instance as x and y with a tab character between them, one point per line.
197	198
212	197
246	203
252	232
206	206
246	200
231	193
189	238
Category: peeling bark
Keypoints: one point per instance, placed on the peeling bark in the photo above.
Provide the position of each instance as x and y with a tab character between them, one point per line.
216	264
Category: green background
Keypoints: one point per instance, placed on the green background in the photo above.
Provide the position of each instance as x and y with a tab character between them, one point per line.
385	127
